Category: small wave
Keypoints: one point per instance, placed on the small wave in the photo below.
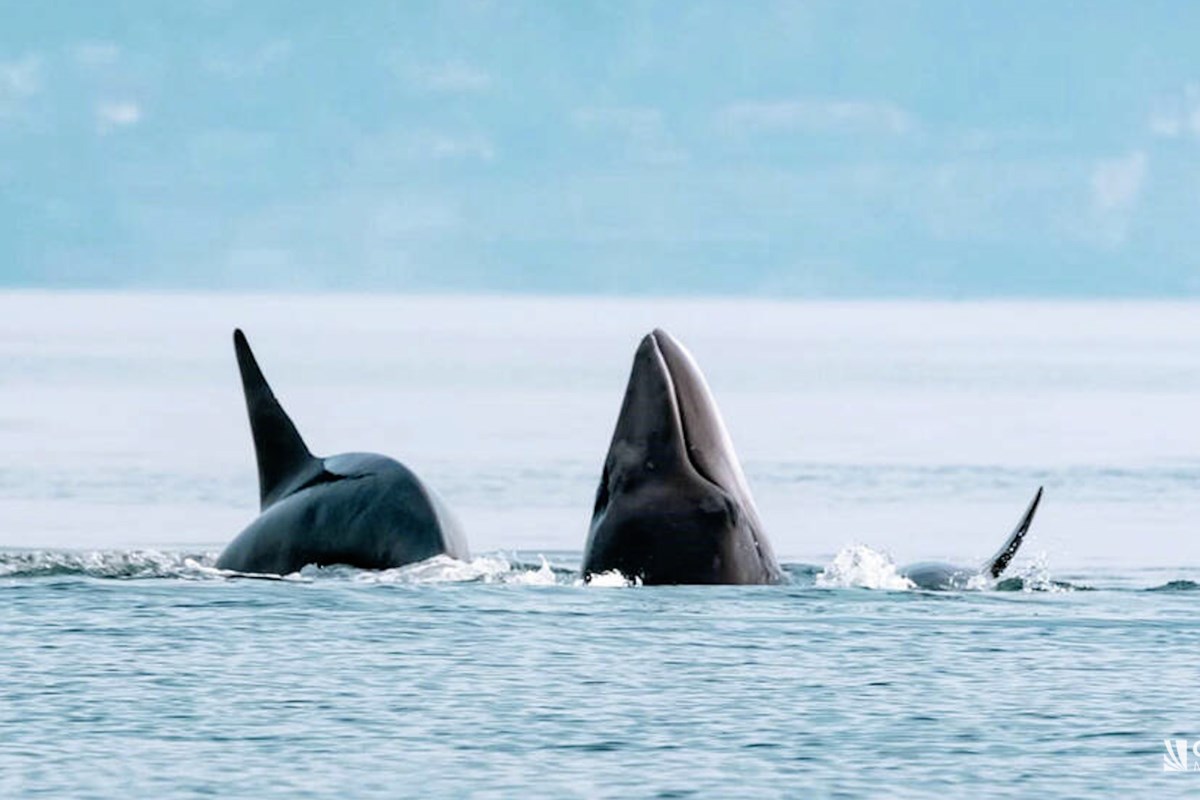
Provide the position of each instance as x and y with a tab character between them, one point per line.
1019	584
801	574
1035	577
151	564
1176	586
859	566
123	564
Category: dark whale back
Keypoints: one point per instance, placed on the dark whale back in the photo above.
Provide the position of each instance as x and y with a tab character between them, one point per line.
360	509
372	513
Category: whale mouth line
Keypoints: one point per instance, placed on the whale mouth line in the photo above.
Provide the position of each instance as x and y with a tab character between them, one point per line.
680	417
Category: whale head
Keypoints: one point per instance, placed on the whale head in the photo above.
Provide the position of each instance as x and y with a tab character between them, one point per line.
673	505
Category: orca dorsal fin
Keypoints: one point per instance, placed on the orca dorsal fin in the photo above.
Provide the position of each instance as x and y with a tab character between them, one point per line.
999	562
282	455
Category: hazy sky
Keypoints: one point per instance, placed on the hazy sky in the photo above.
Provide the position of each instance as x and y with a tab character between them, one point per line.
841	148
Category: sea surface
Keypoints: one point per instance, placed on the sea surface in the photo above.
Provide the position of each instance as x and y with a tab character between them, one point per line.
873	434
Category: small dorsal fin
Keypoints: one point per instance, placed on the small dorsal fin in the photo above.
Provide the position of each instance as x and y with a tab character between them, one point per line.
282	454
999	562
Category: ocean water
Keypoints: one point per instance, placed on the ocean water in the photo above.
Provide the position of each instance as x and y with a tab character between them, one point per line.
872	434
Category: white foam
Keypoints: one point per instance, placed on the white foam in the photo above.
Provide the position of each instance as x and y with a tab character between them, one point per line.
1035	577
106	564
132	564
492	568
542	576
858	566
611	579
979	582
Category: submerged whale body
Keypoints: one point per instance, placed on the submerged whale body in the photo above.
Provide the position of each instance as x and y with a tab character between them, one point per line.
673	506
936	575
359	509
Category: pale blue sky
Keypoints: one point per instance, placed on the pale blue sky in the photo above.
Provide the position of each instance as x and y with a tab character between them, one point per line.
841	148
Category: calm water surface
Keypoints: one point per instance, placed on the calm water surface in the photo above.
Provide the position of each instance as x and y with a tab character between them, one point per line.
870	432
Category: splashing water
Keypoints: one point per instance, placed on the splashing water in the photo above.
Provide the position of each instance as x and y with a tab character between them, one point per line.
542	576
979	582
491	568
855	566
612	579
1036	577
859	566
152	564
126	564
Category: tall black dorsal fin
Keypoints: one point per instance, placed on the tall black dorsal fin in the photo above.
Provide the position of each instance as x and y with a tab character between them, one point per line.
283	458
999	562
